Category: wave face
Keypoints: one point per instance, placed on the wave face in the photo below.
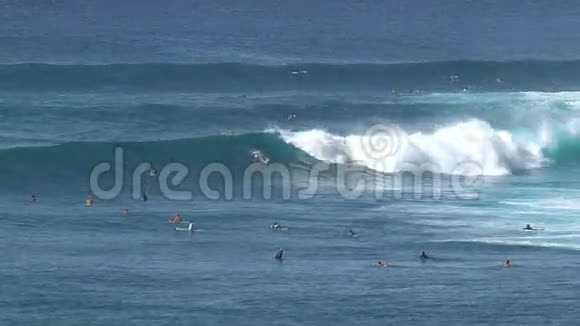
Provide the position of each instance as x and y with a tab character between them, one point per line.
467	147
430	76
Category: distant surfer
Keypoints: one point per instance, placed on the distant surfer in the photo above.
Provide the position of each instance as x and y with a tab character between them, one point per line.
529	228
381	264
34	198
507	264
424	256
278	227
280	254
90	201
176	219
153	172
352	234
125	211
291	117
258	156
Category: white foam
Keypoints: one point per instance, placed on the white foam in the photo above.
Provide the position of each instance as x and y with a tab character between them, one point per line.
512	242
469	147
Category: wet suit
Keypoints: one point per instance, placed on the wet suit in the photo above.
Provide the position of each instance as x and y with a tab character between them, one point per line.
279	254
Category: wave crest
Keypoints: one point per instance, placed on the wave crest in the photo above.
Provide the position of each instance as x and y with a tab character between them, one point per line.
447	150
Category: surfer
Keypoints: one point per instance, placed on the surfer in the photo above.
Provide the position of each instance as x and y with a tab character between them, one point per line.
90	201
258	156
176	219
291	116
507	264
125	211
153	172
278	227
381	264
280	254
424	256
529	228
351	233
34	198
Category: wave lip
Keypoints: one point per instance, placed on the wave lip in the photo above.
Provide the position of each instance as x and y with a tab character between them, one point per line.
470	147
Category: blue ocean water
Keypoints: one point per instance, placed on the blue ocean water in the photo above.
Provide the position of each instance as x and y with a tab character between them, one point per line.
478	102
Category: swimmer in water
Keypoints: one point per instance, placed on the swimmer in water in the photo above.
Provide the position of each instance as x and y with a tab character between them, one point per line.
507	264
424	256
176	220
280	254
34	198
125	211
153	172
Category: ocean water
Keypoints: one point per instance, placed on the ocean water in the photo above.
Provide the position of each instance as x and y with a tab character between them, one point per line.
437	127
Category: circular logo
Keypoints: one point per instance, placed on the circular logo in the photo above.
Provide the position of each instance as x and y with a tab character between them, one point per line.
381	141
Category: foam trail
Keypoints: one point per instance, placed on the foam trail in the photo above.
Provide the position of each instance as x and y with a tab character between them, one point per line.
465	148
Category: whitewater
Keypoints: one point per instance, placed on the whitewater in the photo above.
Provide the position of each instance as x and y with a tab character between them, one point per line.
471	91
